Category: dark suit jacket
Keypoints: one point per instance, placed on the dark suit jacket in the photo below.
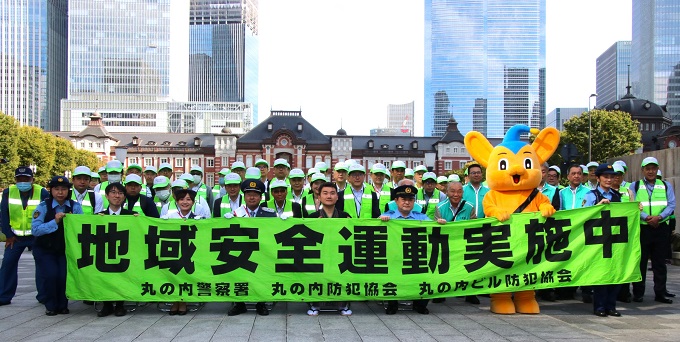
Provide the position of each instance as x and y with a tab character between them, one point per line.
147	205
265	212
123	211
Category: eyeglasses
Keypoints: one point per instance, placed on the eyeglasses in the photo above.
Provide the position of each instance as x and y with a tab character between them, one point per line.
476	173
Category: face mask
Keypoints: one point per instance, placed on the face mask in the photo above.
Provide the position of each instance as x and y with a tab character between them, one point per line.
115	178
221	180
197	179
24	186
163	195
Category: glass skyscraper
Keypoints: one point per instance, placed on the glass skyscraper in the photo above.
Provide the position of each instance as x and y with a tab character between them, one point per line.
484	64
33	45
612	73
223	57
656	52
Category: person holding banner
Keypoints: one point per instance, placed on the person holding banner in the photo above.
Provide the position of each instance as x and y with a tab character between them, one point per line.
50	247
604	296
658	200
115	195
253	190
328	195
232	200
455	209
405	197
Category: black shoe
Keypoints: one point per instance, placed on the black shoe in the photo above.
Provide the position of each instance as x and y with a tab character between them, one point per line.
587	298
120	310
600	313
106	310
668	294
5	303
472	299
439	300
663	300
64	312
50	313
391	309
638	299
613	313
88	302
261	309
237	309
421	309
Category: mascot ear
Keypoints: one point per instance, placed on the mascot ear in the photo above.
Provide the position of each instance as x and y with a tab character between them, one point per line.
478	147
546	143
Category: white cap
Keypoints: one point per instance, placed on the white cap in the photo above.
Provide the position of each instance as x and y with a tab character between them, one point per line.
454	178
618	168
281	161
180	184
341	166
357	167
261	161
95	175
187	177
430	175
165	166
658	173
101	169
253	173
196	168
408	172
238	165
649	160
296	173
623	164
277	183
312	171
82	170
151	168
420	168
398	164
584	168
232	178
318	176
442	179
379	168
133	178
114	166
556	168
134	166
321	166
160	182
224	171
349	162
592	164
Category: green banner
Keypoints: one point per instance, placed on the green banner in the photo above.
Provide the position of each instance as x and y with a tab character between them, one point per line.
267	259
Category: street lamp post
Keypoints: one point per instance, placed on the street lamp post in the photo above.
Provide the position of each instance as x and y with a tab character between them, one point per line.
590	130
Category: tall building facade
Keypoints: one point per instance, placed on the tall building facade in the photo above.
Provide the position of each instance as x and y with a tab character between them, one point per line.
612	73
33	54
468	57
655	52
558	116
479	115
400	117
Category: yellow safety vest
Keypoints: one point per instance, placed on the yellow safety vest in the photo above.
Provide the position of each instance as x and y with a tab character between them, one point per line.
19	218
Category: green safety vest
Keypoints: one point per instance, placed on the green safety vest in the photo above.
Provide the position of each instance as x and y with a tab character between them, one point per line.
431	204
309	203
289	196
102	193
447	211
86	205
475	198
287	207
202	191
625	197
366	210
19	218
137	207
216	192
384	196
573	200
655	204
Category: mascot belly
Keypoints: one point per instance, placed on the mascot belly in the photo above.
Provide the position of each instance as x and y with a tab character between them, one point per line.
513	172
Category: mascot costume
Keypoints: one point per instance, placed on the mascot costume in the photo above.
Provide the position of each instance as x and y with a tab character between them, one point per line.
513	171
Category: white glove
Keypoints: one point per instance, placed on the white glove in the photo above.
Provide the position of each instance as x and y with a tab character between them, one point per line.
228	215
197	217
284	216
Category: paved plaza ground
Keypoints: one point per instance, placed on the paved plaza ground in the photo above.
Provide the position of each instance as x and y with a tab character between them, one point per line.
454	320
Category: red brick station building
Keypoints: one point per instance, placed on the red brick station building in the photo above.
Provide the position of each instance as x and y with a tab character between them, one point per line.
284	134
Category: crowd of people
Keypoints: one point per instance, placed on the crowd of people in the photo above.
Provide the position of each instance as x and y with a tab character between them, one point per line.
32	216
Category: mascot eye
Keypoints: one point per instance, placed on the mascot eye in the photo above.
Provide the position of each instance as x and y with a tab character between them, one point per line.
503	164
527	163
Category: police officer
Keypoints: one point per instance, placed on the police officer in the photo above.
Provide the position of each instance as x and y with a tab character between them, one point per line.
358	200
50	246
16	210
90	201
658	203
604	296
474	191
455	209
253	189
405	196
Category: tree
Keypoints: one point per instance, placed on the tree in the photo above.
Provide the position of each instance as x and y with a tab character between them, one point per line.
64	156
614	133
37	148
87	158
8	149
